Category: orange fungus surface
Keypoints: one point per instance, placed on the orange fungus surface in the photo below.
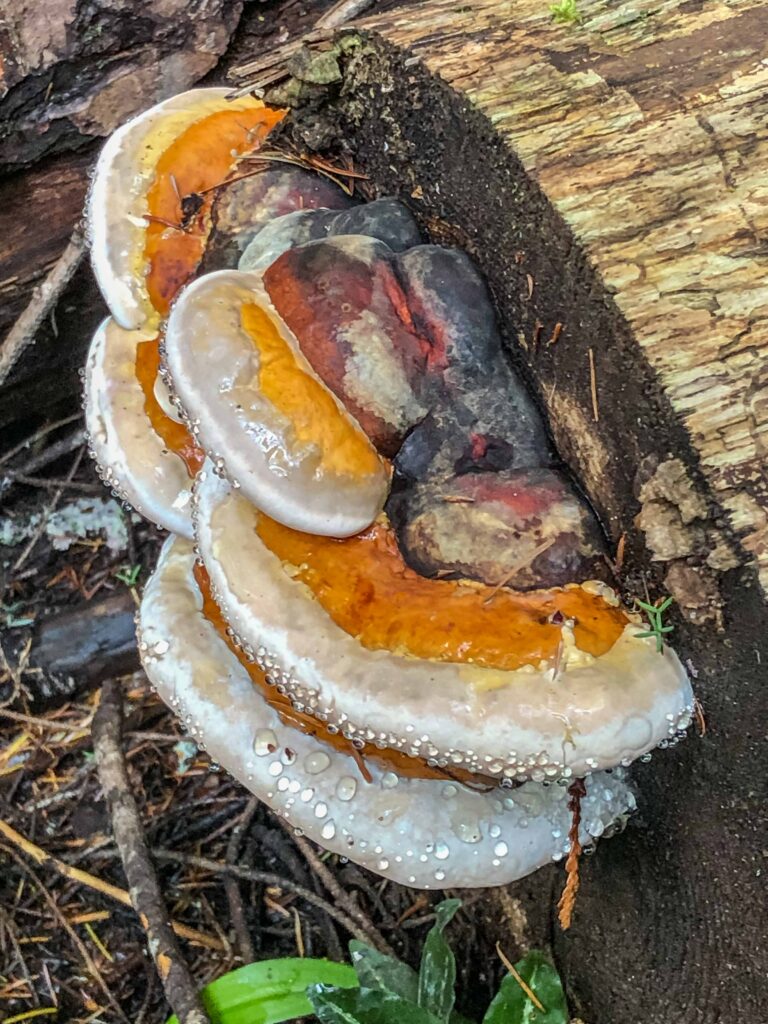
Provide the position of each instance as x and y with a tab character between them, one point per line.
175	435
190	169
367	589
305	723
306	403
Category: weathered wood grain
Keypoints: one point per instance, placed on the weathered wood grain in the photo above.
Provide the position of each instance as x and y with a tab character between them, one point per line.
646	125
572	164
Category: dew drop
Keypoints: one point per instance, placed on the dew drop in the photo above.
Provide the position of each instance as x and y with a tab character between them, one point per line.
346	788
441	851
328	830
501	849
317	762
389	780
264	742
321	810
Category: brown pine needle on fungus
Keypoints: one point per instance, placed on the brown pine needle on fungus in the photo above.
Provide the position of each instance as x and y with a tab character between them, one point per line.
567	901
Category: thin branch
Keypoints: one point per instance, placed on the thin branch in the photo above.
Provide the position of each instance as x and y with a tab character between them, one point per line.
45	457
180	989
343	899
38	436
266	878
232	889
47	513
49	484
43	299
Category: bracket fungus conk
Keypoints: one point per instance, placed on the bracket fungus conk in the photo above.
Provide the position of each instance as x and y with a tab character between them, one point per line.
392	626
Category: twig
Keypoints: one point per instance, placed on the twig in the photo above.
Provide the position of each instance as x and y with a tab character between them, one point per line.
266	878
232	889
180	989
45	457
43	299
10	928
54	724
67	485
47	512
343	899
47	860
37	436
342	12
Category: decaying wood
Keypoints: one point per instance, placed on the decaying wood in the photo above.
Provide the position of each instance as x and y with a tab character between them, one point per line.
41	303
75	650
73	71
646	127
180	988
607	177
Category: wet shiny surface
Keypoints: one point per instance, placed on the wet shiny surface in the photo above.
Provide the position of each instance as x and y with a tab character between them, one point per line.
365	586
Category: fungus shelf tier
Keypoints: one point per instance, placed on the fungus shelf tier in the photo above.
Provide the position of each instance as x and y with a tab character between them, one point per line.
397	625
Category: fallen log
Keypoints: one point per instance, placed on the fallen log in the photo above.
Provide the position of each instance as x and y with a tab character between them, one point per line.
604	174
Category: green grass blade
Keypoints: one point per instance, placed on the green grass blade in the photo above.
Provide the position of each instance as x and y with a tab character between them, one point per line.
270	991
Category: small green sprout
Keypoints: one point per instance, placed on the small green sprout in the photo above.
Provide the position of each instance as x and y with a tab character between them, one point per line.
655	613
379	989
565	12
128	574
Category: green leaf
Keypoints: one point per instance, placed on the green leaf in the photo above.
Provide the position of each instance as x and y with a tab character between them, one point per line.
437	974
511	1005
270	991
386	973
365	1006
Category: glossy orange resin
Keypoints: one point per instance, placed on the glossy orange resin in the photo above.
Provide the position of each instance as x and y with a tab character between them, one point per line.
401	763
305	402
175	435
198	160
368	590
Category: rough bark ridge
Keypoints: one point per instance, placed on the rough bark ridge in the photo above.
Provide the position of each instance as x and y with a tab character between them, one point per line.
73	70
572	163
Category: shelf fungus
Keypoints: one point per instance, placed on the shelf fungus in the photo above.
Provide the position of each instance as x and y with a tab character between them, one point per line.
396	626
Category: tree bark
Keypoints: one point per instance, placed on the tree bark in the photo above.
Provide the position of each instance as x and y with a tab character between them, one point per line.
74	71
607	176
